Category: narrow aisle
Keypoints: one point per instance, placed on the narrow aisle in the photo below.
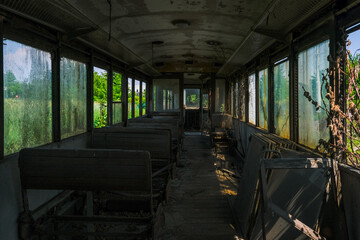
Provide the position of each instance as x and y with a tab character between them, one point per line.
197	207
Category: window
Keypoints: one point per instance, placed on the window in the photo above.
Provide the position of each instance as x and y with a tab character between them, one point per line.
242	99
312	123
281	99
27	97
263	98
166	94
100	97
236	93
117	98
137	98
143	100
252	99
232	98
205	101
192	98
130	106
220	95
72	97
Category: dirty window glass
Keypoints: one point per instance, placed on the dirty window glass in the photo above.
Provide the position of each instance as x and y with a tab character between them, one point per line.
236	93
281	99
242	99
143	98
166	95
117	101
130	89
252	99
72	97
263	98
232	102
100	97
137	98
312	123
220	95
27	97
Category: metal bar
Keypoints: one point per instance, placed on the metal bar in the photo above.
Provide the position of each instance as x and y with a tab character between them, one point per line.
124	96
158	172
110	96
140	99
1	88
44	208
56	116
296	223
99	219
300	163
133	97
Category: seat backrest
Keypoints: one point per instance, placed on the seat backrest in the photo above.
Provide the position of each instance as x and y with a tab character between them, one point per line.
155	141
86	169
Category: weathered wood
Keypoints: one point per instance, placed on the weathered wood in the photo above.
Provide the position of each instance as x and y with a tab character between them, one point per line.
85	169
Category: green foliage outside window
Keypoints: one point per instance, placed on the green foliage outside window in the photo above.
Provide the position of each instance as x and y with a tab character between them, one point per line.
100	98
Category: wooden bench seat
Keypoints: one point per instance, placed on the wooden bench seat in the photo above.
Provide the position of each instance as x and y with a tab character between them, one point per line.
119	171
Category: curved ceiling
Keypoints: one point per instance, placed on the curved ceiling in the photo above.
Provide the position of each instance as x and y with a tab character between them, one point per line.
219	36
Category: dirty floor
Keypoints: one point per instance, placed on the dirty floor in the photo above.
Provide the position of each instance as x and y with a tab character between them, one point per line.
198	205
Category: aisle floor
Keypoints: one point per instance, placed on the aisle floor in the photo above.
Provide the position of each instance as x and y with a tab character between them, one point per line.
198	205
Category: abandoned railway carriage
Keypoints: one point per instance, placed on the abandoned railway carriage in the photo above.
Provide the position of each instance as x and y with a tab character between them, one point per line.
179	119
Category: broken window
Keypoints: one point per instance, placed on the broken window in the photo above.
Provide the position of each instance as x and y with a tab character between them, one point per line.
130	106
281	99
72	97
205	101
117	98
220	95
192	98
312	123
166	94
252	99
137	98
263	98
27	97
100	97
143	96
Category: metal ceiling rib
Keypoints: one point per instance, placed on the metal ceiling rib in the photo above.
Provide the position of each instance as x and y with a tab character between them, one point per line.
275	24
45	12
60	16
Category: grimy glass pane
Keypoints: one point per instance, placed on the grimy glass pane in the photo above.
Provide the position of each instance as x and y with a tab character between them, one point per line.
100	97
242	98
117	93
236	93
72	97
143	100
281	99
192	98
220	95
166	95
27	97
263	98
232	98
312	124
205	101
129	98
137	98
252	99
